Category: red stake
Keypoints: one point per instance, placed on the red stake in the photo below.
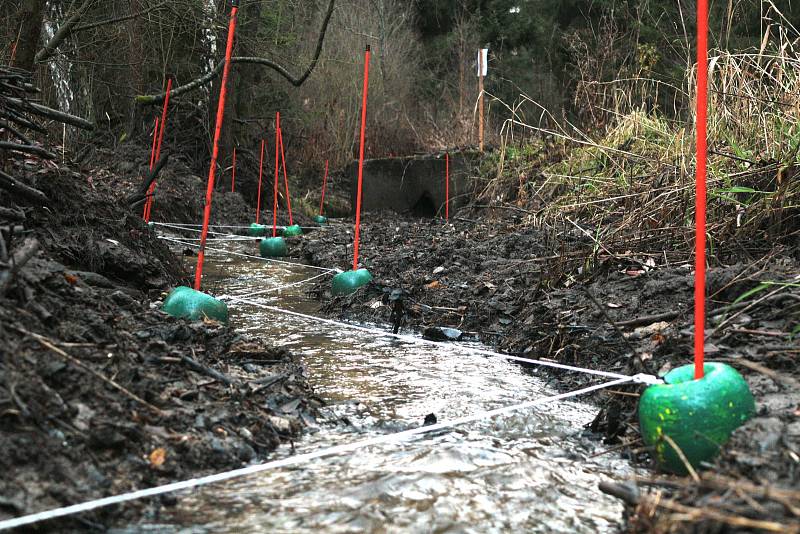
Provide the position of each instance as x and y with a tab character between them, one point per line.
152	162
700	203
233	172
198	275
324	181
275	182
162	127
260	175
446	186
285	178
361	159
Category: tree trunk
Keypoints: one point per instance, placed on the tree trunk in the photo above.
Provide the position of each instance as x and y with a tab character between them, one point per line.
136	60
29	24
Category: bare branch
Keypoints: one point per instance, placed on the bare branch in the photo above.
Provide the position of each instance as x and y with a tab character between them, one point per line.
203	80
106	22
64	31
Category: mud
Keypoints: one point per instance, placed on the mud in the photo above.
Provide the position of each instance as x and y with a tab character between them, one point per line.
99	391
550	293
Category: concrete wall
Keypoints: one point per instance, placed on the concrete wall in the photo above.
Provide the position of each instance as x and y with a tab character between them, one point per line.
414	184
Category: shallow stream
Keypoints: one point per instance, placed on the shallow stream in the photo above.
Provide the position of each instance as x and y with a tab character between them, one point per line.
532	472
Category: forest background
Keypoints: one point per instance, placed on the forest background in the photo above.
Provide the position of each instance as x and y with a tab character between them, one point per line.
550	61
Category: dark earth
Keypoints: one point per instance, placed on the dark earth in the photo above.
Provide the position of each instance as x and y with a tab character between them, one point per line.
102	393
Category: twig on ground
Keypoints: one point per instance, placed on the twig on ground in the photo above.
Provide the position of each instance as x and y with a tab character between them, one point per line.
22	256
200	368
649	319
48	343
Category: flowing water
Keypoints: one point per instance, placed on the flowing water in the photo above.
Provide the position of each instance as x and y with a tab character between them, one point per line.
532	472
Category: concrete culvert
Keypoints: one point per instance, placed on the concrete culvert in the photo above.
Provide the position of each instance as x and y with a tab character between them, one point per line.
414	184
424	207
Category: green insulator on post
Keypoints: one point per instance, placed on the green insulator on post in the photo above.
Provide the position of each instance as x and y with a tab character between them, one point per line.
273	247
320	219
292	231
188	303
257	230
698	415
349	281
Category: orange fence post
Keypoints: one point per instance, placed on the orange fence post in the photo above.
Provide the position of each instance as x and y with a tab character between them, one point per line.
198	275
361	159
700	201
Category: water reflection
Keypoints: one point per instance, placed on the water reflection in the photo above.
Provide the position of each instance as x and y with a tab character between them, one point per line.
532	471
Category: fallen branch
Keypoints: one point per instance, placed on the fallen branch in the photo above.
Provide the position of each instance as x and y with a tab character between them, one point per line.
18	134
782	378
203	80
208	371
29	149
50	113
11	184
12	116
22	256
649	319
138	197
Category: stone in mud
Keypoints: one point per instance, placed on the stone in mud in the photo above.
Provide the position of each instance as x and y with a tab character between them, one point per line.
436	333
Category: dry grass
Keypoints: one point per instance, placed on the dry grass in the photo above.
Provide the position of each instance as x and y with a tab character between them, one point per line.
634	183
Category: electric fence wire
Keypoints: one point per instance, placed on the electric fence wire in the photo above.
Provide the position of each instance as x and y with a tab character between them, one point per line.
639	378
249	256
232	299
198	227
296	460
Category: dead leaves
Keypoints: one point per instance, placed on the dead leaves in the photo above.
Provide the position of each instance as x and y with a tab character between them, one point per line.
158	457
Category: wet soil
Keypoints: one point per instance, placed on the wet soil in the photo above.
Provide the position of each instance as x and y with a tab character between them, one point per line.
100	392
553	293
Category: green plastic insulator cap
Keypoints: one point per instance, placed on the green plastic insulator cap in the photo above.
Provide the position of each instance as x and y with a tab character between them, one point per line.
194	305
273	247
698	415
349	281
320	219
257	230
291	231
